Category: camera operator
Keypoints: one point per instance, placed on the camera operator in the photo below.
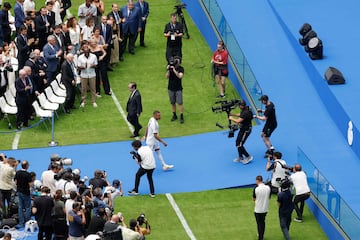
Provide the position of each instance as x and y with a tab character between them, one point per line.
99	180
8	170
66	184
48	177
143	220
244	120
302	189
146	161
175	73
173	32
76	222
279	168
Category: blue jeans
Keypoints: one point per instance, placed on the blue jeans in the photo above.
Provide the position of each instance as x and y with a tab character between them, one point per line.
24	208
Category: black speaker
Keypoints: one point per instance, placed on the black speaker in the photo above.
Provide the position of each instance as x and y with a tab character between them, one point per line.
334	76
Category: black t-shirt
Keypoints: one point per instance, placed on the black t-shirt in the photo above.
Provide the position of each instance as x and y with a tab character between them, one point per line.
44	206
23	178
177	28
98	182
175	83
247	117
286	203
270	115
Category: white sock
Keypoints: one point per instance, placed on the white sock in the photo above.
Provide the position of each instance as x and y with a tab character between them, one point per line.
160	157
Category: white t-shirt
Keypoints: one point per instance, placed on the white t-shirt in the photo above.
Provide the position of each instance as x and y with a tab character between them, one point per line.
153	128
66	186
278	172
68	207
299	180
147	157
262	198
47	178
6	176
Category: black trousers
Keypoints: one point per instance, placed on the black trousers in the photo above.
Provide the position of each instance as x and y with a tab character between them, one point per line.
102	75
46	231
300	199
128	38
240	141
260	221
70	95
139	174
134	120
172	52
5	196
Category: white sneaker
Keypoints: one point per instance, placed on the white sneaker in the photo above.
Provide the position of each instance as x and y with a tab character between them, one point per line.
94	105
247	160
167	167
82	104
98	95
239	159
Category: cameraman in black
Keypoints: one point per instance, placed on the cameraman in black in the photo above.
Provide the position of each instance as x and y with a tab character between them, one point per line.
244	120
145	230
173	32
175	73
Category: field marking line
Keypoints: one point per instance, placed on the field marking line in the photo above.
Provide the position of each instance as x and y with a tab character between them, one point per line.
122	112
180	216
15	143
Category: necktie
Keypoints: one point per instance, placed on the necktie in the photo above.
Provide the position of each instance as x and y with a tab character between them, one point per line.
117	17
142	8
130	13
104	32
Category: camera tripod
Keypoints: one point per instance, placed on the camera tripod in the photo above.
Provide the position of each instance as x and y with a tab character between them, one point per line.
181	18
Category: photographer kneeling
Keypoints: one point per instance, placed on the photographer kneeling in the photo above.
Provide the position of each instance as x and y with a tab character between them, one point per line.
279	168
244	121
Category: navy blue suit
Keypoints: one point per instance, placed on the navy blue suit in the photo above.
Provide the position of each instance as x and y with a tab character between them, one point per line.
19	15
23	101
108	40
144	14
130	27
51	60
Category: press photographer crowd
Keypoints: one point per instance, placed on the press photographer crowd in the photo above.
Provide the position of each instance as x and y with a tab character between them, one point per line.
63	204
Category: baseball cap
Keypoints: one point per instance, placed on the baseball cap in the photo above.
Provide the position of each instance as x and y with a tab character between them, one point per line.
116	183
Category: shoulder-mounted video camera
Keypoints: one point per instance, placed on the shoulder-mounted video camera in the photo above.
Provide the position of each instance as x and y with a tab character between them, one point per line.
225	105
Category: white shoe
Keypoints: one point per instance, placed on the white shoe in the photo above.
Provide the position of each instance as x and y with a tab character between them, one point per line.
82	104
94	105
167	167
98	95
247	160
239	159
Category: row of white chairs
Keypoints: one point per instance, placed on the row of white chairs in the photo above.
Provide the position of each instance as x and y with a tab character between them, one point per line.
48	102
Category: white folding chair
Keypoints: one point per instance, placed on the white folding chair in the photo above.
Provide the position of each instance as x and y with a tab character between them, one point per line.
6	109
50	95
42	113
46	104
10	99
57	90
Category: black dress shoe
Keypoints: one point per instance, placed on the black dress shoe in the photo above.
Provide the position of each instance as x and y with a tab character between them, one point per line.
109	93
121	59
142	45
67	111
110	69
132	52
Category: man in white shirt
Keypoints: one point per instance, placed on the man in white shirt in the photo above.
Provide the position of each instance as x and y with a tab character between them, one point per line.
47	178
153	139
279	169
85	11
261	196
299	180
8	170
145	158
87	63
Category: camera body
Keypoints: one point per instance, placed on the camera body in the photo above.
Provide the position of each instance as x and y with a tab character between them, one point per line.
136	156
225	106
233	128
141	219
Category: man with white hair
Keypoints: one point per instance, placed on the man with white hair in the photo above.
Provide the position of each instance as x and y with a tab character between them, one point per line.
52	55
68	79
22	99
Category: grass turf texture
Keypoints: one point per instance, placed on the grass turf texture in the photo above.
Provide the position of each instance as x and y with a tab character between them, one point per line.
218	214
147	68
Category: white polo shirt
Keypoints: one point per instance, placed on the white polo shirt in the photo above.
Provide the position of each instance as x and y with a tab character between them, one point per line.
299	180
262	198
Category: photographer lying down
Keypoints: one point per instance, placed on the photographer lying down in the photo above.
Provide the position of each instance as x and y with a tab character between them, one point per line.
244	119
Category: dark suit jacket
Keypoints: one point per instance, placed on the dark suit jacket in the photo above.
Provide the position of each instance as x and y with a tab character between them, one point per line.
41	29
35	76
145	11
67	74
51	19
108	36
66	4
50	57
22	96
134	105
23	49
132	22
